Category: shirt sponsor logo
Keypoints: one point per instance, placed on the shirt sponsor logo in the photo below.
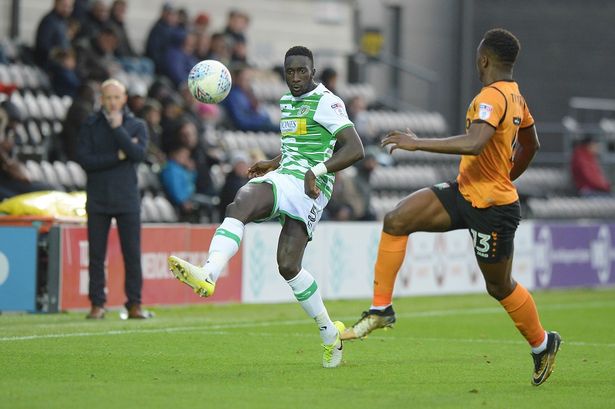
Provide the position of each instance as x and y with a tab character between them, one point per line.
484	111
339	109
294	126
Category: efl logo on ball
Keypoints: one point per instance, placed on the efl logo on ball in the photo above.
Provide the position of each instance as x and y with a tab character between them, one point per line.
209	81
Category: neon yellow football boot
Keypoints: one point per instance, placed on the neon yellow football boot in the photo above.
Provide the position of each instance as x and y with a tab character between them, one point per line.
332	354
192	275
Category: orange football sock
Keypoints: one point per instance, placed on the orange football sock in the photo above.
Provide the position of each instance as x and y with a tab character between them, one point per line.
391	252
522	309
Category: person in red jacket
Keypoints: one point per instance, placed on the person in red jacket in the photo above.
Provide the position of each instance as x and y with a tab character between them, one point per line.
587	174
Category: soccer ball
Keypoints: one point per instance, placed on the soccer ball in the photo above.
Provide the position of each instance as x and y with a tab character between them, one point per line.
209	81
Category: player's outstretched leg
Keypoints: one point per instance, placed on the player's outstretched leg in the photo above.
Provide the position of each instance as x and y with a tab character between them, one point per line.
224	245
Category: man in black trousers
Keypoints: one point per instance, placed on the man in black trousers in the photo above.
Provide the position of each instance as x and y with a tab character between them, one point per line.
111	144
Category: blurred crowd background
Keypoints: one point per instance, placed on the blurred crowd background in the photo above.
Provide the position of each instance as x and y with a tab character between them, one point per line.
391	72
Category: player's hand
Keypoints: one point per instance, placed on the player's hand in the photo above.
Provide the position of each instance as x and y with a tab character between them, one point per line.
400	140
121	155
116	118
309	184
260	168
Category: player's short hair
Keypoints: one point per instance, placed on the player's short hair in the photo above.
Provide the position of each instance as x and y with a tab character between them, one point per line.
503	44
300	50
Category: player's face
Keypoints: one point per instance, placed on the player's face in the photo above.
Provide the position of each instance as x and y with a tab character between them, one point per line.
299	72
113	98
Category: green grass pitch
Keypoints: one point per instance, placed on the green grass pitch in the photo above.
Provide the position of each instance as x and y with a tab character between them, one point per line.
445	352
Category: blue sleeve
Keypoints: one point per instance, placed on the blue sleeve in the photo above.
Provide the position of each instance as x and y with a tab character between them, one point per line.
174	66
88	158
242	114
174	181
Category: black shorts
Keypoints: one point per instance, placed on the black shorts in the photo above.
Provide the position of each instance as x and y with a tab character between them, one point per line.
492	228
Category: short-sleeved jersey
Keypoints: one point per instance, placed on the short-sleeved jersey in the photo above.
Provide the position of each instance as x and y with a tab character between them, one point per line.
309	126
484	179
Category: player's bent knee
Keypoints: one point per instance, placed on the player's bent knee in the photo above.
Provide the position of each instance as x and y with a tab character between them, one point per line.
288	270
395	225
499	291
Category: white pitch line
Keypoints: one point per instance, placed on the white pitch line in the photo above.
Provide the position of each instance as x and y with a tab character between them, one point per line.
211	328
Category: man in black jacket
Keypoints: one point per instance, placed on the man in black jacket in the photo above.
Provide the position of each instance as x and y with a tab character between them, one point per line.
111	144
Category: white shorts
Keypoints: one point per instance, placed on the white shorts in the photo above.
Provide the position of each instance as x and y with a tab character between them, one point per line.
291	201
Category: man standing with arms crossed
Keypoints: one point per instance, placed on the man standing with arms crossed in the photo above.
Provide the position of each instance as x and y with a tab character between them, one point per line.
111	144
499	143
294	186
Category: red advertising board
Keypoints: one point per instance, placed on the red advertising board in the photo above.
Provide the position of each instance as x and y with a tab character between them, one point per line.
159	286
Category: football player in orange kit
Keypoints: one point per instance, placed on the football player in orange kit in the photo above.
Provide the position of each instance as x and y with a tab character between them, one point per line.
498	145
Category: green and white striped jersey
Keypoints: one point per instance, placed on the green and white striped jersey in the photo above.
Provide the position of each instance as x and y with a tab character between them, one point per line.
308	126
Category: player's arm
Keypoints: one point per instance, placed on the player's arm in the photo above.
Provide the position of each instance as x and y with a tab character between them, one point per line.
470	143
349	149
527	146
264	166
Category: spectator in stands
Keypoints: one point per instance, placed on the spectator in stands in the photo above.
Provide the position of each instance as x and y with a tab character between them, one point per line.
172	112
201	23
179	57
203	115
161	35
14	178
117	17
345	203
96	57
179	174
183	19
203	39
130	60
80	109
95	19
357	113
242	106
151	114
137	93
328	78
587	174
235	32
219	49
52	31
365	168
235	179
63	72
80	9
111	142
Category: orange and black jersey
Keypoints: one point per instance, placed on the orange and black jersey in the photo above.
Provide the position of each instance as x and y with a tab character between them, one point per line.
484	179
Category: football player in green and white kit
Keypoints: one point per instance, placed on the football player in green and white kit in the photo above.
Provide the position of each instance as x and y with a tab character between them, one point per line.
318	140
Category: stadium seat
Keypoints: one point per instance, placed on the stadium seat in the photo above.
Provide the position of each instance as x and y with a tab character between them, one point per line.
59	111
64	176
35	171
34	133
31	105
50	174
45	106
165	209
149	211
77	174
16	76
